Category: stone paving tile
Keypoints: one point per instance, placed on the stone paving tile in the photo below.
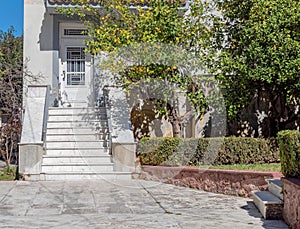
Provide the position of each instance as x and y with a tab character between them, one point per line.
44	211
126	204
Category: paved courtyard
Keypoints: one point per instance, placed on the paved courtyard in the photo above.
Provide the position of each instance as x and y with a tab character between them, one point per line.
126	204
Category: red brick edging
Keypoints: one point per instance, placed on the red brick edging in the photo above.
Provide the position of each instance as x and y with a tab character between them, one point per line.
233	182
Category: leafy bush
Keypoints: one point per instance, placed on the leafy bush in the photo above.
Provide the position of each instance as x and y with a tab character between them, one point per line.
9	138
207	151
289	146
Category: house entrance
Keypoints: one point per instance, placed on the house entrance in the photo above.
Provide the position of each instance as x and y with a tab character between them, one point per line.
75	67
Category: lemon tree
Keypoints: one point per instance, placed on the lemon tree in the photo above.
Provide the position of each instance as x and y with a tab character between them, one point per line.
152	27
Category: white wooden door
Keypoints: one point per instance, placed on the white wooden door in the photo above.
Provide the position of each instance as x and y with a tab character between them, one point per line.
75	87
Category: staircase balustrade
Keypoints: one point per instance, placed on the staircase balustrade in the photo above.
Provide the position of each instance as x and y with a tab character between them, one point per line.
46	113
106	104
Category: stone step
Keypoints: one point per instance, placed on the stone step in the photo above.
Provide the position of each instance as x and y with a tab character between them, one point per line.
77	152
74	111
71	130
72	118
76	137
268	204
275	187
60	160
101	124
78	168
75	103
76	144
86	176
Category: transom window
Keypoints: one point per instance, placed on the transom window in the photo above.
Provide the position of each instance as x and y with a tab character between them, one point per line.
75	32
75	66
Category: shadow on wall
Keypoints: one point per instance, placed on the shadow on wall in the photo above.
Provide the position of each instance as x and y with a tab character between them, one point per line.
147	122
256	119
49	41
49	33
119	114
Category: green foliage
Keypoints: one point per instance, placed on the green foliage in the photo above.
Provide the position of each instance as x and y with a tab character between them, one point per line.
11	90
289	145
11	72
7	174
260	50
153	42
117	25
10	134
207	151
268	167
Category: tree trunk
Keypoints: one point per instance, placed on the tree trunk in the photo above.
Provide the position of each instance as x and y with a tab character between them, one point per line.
175	121
176	128
7	158
277	112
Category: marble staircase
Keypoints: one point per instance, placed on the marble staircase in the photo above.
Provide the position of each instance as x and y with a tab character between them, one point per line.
77	145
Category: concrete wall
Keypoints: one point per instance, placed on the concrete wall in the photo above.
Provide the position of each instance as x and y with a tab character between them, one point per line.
123	143
148	123
31	148
120	116
38	41
41	45
34	115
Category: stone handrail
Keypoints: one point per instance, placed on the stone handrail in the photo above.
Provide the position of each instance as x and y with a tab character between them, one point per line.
46	109
108	115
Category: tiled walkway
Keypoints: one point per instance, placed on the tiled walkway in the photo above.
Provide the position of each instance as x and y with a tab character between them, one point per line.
125	204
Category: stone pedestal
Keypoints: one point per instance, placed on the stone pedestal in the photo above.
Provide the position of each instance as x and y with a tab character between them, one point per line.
30	160
124	156
31	147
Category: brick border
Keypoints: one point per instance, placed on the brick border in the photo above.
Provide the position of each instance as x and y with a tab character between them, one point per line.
232	182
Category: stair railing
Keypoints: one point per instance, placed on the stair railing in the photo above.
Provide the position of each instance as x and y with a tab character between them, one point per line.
106	104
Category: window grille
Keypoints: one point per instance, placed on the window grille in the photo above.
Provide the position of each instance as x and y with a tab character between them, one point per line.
75	66
75	32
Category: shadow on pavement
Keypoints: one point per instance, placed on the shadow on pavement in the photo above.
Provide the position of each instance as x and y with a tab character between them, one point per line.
268	224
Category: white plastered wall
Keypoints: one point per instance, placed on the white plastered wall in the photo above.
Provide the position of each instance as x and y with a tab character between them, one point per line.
38	41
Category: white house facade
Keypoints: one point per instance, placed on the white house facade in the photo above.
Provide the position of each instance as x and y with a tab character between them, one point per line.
76	123
71	128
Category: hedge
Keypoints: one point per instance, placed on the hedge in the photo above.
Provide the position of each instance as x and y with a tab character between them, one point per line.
207	151
289	146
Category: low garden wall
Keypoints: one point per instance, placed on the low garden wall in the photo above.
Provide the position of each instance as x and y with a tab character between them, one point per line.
289	145
232	182
291	197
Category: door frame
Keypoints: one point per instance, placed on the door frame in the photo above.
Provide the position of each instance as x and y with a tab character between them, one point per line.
67	92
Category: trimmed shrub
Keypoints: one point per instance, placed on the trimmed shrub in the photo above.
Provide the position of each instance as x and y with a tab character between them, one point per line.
207	151
289	146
